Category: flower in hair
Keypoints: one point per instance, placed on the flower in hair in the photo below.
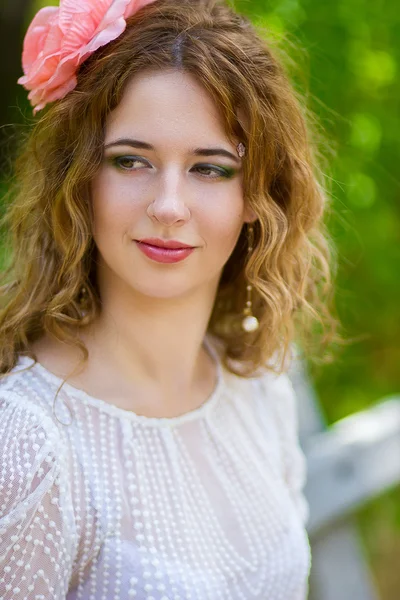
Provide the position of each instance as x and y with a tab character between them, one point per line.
59	39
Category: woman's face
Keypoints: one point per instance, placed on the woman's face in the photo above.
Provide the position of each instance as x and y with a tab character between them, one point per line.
155	183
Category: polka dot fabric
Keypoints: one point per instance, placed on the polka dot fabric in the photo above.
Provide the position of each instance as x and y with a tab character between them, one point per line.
99	503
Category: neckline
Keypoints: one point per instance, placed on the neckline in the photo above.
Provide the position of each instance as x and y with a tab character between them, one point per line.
129	415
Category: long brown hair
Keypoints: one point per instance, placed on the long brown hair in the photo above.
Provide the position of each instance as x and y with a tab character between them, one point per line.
50	218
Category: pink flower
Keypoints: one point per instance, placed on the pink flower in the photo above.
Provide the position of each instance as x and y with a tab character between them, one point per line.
60	39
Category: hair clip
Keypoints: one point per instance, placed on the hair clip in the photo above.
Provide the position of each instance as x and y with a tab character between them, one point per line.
241	149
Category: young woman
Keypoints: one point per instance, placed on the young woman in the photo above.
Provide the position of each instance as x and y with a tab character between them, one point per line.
167	235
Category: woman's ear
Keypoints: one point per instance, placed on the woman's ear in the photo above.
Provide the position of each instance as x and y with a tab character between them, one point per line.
249	216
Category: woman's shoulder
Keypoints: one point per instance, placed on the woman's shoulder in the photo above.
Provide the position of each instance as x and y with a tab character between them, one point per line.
271	389
35	500
27	398
26	429
31	438
29	435
21	379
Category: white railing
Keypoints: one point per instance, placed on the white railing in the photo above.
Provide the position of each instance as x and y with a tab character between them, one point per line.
349	463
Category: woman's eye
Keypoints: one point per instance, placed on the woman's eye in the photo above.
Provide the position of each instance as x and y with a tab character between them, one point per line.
126	162
216	172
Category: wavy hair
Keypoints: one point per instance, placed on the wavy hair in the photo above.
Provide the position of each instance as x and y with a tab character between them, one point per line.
49	218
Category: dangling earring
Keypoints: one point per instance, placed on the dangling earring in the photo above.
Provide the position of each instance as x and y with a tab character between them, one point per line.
250	322
83	301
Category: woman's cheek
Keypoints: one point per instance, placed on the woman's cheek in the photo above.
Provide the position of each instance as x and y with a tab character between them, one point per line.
113	206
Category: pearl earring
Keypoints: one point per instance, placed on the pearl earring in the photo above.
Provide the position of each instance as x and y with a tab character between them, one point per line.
249	322
83	301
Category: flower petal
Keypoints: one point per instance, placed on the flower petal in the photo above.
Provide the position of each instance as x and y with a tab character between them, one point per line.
39	98
65	71
96	8
43	71
35	36
104	37
61	91
71	10
80	32
115	11
60	39
134	6
53	41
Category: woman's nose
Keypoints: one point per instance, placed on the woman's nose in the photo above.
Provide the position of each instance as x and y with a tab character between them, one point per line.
169	204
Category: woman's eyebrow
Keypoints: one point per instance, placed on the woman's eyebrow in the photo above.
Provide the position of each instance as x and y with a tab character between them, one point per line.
194	151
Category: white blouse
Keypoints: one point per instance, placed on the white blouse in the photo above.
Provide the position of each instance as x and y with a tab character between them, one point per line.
99	503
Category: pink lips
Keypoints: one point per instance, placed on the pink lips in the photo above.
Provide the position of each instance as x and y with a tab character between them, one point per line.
164	255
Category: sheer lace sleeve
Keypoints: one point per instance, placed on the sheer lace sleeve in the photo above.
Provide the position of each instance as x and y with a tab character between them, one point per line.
284	402
37	528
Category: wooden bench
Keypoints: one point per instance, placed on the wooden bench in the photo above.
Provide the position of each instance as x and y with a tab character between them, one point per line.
349	463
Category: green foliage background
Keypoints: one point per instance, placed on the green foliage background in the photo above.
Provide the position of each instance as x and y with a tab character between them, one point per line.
347	55
349	52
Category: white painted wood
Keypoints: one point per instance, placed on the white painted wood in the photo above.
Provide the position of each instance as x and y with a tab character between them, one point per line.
349	463
311	417
352	462
339	568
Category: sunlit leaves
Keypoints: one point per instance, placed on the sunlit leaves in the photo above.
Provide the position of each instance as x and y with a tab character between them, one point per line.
372	68
361	190
366	132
